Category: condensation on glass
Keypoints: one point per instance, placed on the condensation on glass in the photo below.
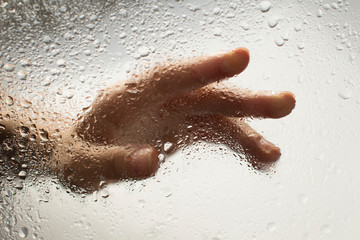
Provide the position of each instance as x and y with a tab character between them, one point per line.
57	55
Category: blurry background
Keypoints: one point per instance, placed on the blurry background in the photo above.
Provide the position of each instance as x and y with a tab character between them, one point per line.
57	54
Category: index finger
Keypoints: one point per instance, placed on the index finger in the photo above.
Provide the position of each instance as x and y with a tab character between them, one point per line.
170	79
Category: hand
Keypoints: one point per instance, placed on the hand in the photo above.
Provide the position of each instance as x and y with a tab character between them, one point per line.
122	133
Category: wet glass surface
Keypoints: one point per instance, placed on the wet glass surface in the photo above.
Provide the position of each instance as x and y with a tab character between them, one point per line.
57	55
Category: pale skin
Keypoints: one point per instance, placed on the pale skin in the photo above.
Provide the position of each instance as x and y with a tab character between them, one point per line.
123	132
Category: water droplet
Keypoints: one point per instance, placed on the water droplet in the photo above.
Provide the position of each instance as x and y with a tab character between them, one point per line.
46	39
265	6
301	46
334	5
22	75
104	193
122	35
9	101
302	198
18	184
325	229
90	26
245	26
25	103
87	52
216	11
273	20
25	63
279	41
345	93
217	32
167	146
22	174
319	13
9	67
23	232
123	13
61	62
44	136
144	51
271	227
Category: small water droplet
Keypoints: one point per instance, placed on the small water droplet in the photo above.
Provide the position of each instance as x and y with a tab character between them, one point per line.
23	232
25	103
301	45
265	6
22	174
61	62
167	146
273	20
217	32
216	11
279	41
319	13
302	198
334	5
345	93
122	35
271	227
245	26
46	39
25	63
18	184
22	75
9	67
144	51
325	229
104	193
9	101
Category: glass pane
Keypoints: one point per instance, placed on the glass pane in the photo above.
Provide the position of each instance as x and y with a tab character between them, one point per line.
57	55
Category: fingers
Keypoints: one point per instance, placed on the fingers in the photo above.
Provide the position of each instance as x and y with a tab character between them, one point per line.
256	145
170	79
234	132
232	102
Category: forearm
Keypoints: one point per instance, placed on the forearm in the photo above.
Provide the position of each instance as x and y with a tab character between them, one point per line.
24	140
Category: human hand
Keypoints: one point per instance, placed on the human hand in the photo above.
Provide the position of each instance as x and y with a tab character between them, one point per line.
122	133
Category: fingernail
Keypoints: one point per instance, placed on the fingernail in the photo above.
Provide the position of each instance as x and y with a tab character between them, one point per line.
143	162
235	61
270	151
281	105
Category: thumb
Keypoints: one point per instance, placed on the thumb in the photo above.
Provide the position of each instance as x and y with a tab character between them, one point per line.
135	162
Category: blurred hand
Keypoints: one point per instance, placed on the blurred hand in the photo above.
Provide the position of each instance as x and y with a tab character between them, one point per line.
121	135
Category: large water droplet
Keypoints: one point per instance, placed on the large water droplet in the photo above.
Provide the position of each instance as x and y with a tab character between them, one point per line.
23	232
265	6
